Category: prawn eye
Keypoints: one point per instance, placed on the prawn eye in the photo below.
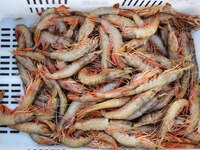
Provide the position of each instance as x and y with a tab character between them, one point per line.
123	57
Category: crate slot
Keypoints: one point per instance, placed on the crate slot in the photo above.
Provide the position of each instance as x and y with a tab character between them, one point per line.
4	102
147	3
47	1
5	29
141	3
14	131
5	57
160	3
31	10
5	96
3	126
4	63
14	45
153	3
16	85
4	85
4	68
34	2
130	2
5	45
15	74
135	3
53	1
36	9
123	2
15	90
5	34
42	9
4	90
14	102
5	40
15	96
40	1
65	1
28	2
4	74
3	131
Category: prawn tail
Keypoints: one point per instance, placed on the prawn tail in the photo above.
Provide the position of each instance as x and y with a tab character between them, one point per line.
37	36
94	19
116	5
117	61
16	52
72	96
62	8
28	49
44	53
5	110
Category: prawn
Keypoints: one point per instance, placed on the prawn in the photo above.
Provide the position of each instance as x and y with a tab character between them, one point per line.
56	41
31	93
76	141
72	85
165	62
69	19
103	140
96	96
169	116
92	124
69	117
30	54
8	117
32	127
43	139
24	75
70	70
103	77
148	106
194	100
166	77
103	105
43	24
26	63
132	141
135	61
83	48
105	45
143	31
150	118
103	124
119	21
55	87
155	39
173	44
23	36
132	106
116	39
88	25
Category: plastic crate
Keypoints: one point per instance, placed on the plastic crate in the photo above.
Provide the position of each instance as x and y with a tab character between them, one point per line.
13	12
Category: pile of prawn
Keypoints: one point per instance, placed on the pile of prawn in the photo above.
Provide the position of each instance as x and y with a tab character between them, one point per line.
109	78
